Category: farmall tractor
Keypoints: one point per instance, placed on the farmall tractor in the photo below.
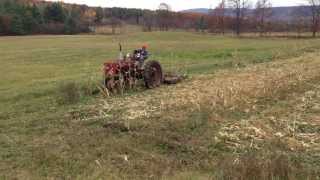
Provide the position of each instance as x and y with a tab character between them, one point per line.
125	72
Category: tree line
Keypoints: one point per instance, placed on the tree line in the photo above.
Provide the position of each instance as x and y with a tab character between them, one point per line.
20	17
303	18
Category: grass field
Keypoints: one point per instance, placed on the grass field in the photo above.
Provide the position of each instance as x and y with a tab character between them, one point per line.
250	105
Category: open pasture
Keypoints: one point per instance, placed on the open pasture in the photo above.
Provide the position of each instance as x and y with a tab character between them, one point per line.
43	138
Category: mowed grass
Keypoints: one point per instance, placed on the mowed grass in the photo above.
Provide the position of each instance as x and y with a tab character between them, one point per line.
39	139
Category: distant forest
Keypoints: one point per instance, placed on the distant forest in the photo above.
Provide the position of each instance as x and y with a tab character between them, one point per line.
23	17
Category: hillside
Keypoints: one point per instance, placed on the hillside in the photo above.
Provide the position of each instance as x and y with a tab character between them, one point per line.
279	13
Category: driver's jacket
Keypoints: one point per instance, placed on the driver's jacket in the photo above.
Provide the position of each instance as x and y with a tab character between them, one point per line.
140	54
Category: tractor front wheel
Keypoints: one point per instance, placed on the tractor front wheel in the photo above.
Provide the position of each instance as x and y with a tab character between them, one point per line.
153	75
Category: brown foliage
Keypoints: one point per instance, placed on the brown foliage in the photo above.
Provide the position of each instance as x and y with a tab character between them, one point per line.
5	23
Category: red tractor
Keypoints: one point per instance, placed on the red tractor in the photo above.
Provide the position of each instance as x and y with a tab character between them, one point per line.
125	72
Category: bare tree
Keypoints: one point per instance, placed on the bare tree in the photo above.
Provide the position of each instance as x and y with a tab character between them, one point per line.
300	20
164	16
315	12
263	11
148	20
220	13
113	23
239	7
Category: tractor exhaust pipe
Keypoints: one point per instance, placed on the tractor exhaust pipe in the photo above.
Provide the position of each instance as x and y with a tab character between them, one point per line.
120	52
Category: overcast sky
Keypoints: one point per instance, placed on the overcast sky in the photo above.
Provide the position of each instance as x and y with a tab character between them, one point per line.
175	4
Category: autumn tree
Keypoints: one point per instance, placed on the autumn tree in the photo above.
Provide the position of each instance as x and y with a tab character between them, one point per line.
220	13
89	16
315	12
262	12
186	21
240	7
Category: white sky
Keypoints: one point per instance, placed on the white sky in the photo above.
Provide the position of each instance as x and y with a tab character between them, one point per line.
175	4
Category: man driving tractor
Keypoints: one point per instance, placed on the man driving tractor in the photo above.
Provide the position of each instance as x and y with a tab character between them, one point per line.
127	70
141	55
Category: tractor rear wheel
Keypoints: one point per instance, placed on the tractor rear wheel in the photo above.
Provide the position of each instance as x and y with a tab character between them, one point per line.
153	75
